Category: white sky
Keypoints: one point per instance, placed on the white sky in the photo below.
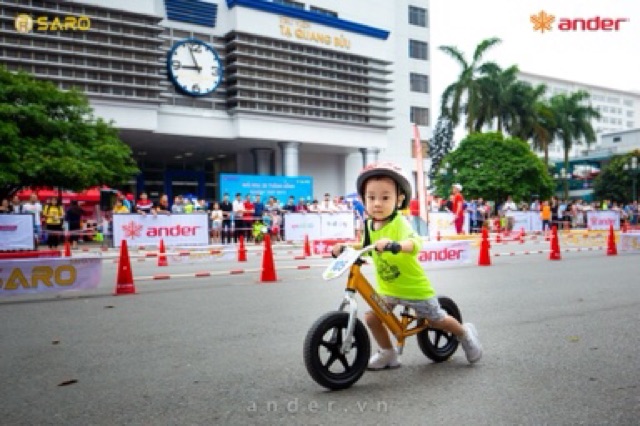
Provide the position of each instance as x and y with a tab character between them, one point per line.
608	59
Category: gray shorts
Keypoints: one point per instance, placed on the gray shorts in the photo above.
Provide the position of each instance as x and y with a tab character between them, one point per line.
429	308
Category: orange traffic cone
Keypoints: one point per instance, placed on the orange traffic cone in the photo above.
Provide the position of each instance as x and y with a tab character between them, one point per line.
612	249
521	237
268	273
307	246
124	280
554	254
242	251
162	257
484	259
498	238
67	249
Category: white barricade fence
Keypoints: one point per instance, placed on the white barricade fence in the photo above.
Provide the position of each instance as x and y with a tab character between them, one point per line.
442	253
31	276
601	220
174	230
443	222
16	232
319	226
529	221
630	242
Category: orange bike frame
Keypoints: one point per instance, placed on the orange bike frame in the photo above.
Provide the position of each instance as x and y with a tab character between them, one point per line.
399	327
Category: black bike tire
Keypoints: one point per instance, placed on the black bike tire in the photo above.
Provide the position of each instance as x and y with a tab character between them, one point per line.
427	347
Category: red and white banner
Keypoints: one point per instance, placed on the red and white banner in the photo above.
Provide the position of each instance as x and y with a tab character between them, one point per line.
318	226
601	220
445	253
16	232
148	230
49	275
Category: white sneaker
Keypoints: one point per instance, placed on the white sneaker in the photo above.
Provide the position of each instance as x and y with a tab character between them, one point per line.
384	358
470	343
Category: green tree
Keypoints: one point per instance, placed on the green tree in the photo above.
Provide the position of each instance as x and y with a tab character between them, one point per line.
613	182
49	137
463	95
573	117
496	90
491	166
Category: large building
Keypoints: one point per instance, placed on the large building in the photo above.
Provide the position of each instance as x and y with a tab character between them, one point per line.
619	110
197	88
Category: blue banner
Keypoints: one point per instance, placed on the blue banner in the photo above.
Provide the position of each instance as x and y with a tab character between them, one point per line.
280	187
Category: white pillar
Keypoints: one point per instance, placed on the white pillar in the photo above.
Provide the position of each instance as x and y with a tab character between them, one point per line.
262	161
369	155
290	158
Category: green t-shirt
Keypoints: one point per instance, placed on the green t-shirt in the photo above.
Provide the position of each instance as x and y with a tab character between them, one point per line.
400	275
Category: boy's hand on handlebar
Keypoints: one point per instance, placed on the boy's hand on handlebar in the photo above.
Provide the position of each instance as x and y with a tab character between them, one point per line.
337	250
386	244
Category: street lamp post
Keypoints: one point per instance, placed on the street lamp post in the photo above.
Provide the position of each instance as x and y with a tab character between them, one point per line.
632	168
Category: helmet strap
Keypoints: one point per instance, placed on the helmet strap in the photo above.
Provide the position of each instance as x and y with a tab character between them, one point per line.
388	218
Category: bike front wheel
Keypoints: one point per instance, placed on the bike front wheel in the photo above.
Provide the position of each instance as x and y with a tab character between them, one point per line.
322	351
436	344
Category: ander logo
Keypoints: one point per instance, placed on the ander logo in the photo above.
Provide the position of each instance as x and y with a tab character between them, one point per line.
542	21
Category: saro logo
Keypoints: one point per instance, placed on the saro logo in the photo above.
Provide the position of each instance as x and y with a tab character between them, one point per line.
25	23
543	22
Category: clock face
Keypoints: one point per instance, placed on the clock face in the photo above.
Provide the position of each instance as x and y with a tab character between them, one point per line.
194	67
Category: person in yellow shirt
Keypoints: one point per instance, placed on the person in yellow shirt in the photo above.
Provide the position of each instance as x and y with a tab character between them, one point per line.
120	208
545	215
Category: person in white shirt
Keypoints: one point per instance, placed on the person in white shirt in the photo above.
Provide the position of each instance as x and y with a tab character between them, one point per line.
34	207
238	211
327	206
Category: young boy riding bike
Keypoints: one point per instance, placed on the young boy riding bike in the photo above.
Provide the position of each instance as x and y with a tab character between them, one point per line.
401	280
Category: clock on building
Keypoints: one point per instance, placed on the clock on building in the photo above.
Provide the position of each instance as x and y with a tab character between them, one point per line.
194	67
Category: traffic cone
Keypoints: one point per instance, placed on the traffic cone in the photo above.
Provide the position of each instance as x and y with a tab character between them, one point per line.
268	273
242	251
498	238
554	254
162	257
124	280
307	246
521	236
484	259
612	249
67	249
438	236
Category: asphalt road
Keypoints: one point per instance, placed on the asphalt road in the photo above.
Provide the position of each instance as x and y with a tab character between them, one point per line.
561	347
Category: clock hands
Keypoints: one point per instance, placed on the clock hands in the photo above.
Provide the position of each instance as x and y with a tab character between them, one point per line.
197	67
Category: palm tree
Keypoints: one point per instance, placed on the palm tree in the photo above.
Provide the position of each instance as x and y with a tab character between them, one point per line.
573	120
466	85
495	91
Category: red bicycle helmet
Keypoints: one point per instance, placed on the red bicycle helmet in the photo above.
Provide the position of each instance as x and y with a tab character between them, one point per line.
390	170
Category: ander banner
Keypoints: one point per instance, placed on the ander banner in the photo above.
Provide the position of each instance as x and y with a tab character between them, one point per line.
33	276
441	253
16	232
601	220
148	230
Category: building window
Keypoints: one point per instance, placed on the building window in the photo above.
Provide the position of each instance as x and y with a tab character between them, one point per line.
425	148
418	16
630	124
628	102
419	116
418	49
295	4
616	139
419	82
322	11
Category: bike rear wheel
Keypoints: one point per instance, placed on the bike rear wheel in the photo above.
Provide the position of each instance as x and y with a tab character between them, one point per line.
439	345
322	357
